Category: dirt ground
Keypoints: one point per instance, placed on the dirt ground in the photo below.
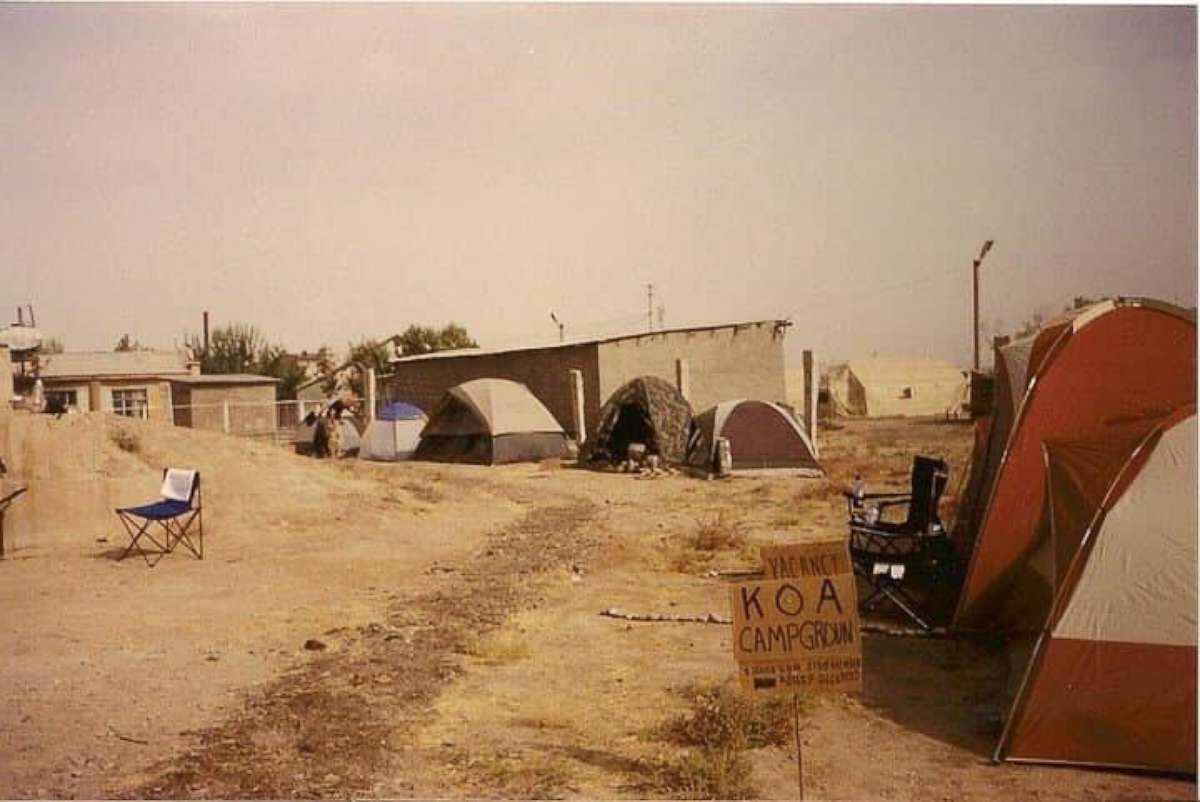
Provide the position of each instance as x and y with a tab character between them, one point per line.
459	648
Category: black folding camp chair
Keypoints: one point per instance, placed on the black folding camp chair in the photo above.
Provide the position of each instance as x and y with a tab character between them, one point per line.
174	513
893	556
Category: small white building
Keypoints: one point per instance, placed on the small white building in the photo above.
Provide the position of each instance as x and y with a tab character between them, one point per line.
883	387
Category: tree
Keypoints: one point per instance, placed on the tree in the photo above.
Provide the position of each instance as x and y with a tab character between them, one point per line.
361	356
277	362
127	344
241	348
1080	302
425	340
235	348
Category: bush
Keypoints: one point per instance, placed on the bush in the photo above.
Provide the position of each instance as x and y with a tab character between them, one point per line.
719	532
721	724
126	440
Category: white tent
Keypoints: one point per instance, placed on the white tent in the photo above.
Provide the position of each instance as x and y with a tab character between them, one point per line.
885	387
394	434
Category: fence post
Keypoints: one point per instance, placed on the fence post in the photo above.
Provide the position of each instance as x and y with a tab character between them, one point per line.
225	415
811	379
576	378
683	382
370	394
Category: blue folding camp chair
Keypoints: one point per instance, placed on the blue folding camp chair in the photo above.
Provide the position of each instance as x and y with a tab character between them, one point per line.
174	513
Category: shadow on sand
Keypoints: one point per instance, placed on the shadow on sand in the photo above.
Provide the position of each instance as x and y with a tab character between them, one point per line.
949	689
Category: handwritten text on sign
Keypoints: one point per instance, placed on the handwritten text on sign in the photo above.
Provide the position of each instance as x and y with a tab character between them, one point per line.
798	631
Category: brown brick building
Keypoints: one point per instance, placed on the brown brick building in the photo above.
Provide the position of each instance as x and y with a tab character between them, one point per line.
711	364
235	402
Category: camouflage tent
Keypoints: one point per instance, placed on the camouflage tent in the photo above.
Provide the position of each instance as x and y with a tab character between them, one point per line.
643	410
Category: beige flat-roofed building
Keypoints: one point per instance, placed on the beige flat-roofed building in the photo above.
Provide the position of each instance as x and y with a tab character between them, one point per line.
131	383
710	364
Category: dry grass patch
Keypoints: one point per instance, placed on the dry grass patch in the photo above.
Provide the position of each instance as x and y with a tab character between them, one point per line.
422	491
126	440
513	774
497	648
683	560
719	532
718	728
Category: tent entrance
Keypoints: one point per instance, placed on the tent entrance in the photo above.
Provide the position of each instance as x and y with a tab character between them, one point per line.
632	426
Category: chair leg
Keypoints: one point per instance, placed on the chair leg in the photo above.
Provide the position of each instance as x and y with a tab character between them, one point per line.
180	532
906	604
136	532
884	588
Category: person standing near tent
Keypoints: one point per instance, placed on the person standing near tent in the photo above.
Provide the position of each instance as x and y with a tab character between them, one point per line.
320	437
334	424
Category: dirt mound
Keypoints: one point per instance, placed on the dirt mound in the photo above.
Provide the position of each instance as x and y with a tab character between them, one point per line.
80	467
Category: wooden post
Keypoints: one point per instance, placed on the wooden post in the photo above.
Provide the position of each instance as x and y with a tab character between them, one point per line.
799	753
370	394
575	377
683	379
225	416
810	399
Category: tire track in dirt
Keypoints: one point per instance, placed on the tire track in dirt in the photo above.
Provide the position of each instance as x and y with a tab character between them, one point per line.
333	726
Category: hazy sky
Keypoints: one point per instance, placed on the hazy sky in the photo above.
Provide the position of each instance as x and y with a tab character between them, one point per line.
327	172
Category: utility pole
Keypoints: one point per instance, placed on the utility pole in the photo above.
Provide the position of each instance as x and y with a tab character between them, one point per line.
649	307
558	323
987	246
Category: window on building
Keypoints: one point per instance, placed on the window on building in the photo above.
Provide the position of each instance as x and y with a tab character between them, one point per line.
130	403
62	399
906	392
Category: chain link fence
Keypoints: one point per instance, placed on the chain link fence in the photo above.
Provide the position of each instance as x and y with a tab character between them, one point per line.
272	422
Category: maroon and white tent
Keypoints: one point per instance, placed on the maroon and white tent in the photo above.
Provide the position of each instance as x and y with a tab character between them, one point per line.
763	437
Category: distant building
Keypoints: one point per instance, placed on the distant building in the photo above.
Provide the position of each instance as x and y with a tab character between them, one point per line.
310	363
882	387
158	385
132	383
709	364
240	403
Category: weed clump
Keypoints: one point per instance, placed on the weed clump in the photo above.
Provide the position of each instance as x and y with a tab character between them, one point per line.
126	440
720	725
718	533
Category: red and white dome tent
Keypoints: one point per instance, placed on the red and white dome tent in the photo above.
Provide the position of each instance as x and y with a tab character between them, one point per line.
1099	613
1112	679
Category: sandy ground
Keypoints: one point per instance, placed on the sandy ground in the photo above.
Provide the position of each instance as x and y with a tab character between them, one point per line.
464	651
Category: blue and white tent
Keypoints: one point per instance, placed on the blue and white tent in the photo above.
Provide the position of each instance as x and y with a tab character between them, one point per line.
394	433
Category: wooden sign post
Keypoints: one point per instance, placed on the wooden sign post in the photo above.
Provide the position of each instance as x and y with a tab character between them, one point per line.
797	630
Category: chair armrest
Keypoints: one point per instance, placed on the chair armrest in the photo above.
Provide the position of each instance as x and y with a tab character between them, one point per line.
878	496
893	502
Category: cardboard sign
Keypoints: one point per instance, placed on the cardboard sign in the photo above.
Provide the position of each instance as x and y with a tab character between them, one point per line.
798	630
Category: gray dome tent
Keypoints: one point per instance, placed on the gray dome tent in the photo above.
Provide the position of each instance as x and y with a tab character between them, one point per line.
643	410
490	422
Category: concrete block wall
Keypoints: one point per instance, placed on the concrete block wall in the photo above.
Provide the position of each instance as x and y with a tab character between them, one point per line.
546	371
251	407
719	364
722	363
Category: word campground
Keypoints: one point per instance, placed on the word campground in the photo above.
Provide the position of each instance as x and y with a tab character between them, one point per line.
783	639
